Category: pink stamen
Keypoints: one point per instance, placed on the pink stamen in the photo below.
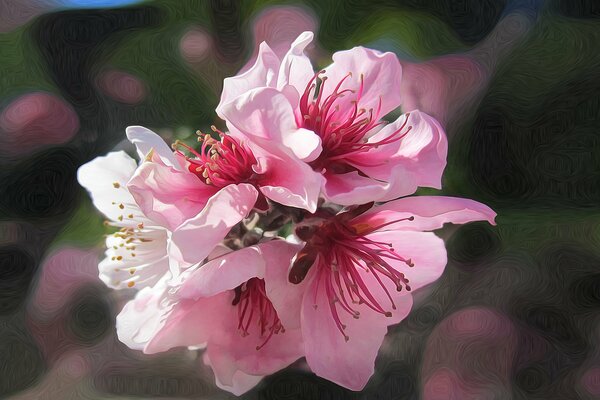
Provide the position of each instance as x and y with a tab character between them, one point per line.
342	251
344	133
220	162
251	300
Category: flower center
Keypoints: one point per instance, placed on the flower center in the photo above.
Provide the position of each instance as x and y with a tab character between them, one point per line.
253	304
338	252
220	162
344	128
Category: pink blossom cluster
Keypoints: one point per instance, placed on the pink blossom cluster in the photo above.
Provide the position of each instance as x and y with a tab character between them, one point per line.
291	234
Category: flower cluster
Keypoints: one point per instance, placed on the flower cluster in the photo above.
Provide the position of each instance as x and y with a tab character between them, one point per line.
292	233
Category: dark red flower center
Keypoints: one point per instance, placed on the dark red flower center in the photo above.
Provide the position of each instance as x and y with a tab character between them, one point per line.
345	130
254	305
220	162
338	251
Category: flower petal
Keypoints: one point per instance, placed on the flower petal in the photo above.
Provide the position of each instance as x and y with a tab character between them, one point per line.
426	251
347	363
146	141
143	316
262	74
105	178
191	323
193	240
421	152
381	74
296	69
168	195
289	181
351	188
227	377
228	350
224	273
429	213
266	117
286	298
137	263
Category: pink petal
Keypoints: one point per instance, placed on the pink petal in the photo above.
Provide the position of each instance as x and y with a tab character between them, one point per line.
198	236
286	298
289	181
351	188
266	117
429	213
224	273
168	195
229	351
426	251
381	72
227	377
349	364
296	69
421	152
142	317
105	178
262	74
146	141
191	323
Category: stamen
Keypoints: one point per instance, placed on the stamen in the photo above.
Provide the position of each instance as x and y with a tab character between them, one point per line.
342	253
344	133
251	300
231	159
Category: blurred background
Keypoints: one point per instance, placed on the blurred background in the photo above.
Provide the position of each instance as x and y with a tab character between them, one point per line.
516	83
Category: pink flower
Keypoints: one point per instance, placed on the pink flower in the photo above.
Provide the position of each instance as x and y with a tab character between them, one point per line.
358	269
237	306
333	121
171	187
